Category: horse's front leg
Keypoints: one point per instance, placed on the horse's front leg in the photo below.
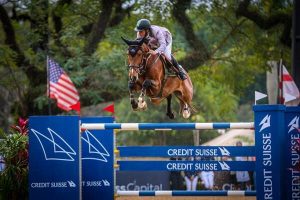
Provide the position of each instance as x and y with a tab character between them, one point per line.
169	113
133	102
185	109
141	100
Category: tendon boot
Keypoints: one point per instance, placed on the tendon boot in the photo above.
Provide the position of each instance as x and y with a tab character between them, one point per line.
181	72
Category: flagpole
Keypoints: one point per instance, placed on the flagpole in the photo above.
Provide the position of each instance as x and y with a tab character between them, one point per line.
48	86
47	60
281	101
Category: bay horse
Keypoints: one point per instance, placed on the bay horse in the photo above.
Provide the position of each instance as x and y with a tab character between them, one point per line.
147	74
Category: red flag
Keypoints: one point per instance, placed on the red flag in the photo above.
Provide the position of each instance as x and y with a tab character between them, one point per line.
290	90
110	108
76	107
62	88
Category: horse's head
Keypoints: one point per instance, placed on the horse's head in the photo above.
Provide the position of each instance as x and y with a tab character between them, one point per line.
137	56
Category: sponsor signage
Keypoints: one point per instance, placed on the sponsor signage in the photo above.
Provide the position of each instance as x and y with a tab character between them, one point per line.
54	159
65	163
187	165
269	139
187	151
97	160
292	131
143	181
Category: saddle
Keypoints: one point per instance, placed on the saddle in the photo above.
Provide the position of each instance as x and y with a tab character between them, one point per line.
170	69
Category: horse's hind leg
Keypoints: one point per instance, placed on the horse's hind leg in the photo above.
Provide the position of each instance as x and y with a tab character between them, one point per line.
169	113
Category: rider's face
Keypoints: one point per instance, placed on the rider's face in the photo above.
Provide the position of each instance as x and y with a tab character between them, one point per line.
142	33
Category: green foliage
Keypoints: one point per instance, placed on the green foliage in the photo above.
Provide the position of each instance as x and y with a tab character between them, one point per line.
215	100
154	9
14	178
239	53
230	77
14	151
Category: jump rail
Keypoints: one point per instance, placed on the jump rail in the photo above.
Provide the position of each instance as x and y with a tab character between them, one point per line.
186	193
166	126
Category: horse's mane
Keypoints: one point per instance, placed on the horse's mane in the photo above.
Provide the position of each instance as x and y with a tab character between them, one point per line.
145	47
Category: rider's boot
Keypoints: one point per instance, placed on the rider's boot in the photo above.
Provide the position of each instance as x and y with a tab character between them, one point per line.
181	72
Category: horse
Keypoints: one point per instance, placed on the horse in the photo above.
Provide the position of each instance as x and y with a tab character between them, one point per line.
147	74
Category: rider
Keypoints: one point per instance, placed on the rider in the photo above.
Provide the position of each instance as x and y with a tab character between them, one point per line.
159	38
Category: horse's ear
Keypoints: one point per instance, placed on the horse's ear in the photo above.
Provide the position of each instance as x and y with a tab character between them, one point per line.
127	41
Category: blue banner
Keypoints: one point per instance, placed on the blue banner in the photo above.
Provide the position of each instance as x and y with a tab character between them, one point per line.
269	141
292	155
186	165
186	151
54	158
97	161
143	180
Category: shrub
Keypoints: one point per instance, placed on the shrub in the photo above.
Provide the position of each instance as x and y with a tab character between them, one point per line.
14	150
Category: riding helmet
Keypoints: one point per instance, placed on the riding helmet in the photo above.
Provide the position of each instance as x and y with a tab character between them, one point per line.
142	24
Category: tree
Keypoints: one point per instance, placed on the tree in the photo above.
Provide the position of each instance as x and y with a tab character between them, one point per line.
211	38
32	18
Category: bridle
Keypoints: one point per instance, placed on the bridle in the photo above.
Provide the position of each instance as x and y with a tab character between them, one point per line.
140	69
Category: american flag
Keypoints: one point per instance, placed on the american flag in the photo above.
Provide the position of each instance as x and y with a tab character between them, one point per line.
62	88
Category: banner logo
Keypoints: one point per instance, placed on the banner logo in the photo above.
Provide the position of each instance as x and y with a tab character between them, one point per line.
224	166
71	184
294	124
224	151
265	123
106	183
54	146
96	151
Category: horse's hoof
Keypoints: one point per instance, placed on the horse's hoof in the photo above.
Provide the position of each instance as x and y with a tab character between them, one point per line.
140	100
142	105
134	106
170	115
186	114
